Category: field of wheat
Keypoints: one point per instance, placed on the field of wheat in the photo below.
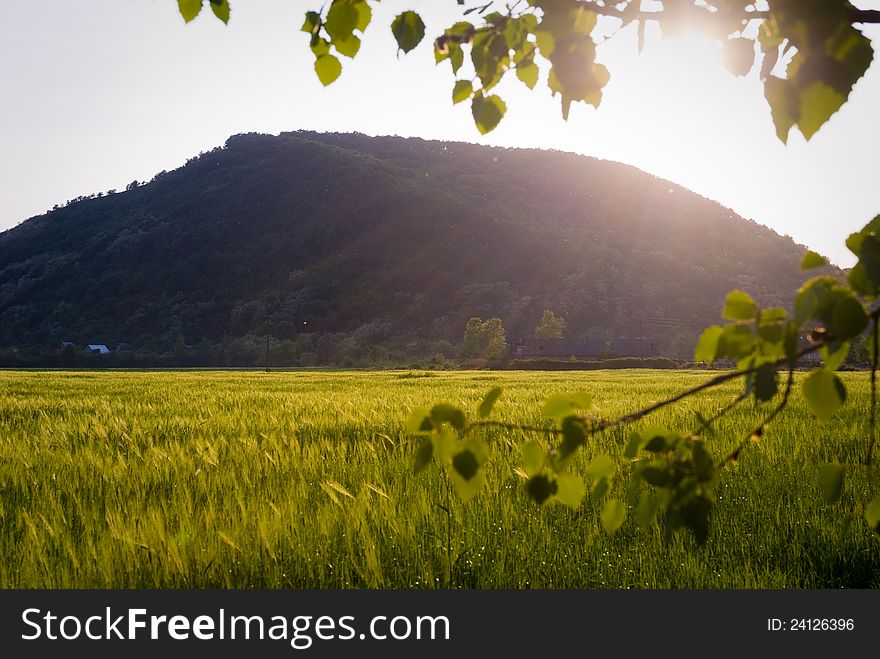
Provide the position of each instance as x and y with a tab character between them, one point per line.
225	479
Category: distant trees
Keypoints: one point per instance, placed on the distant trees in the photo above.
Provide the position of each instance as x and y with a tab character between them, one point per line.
484	338
179	347
550	326
68	356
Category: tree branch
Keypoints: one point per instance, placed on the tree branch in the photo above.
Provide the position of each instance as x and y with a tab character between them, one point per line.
865	16
759	431
598	425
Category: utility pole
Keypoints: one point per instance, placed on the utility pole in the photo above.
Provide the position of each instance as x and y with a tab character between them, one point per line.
267	344
641	336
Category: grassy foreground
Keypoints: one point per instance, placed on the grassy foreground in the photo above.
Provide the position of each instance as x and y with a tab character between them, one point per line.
285	480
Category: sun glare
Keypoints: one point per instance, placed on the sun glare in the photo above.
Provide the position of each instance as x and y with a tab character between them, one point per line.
668	109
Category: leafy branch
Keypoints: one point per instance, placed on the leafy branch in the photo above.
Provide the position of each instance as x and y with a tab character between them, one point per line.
674	474
826	53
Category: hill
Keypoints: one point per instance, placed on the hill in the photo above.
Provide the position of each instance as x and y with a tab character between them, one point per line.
357	248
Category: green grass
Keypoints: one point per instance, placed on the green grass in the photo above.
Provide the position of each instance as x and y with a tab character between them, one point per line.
223	479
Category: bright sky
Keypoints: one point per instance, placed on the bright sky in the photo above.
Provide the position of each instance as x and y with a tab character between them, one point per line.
96	93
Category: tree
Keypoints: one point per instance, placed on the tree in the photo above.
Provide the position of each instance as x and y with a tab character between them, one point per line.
817	42
496	343
68	356
485	339
472	344
551	326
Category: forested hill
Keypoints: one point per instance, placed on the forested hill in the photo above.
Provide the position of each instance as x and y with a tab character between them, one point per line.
351	244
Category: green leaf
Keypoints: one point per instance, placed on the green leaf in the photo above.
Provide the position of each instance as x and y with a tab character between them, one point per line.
694	514
824	393
574	435
570	490
445	443
533	457
456	58
813	260
540	488
831	477
221	10
772	333
773	314
468	488
446	48
872	514
365	14
657	440
446	413
855	240
707	346
489	402
600	489
312	22
515	33
869	257
791	341
189	9
602	467
805	305
834	355
342	19
865	275
424	453
319	45
633	445
818	102
489	54
736	342
328	68
848	318
562	405
646	510
419	421
739	306
613	514
465	463
655	476
462	91
814	297
348	47
738	55
408	29
783	105
766	382
528	74
487	111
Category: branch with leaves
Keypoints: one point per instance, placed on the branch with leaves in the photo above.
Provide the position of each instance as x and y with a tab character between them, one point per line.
820	41
674	473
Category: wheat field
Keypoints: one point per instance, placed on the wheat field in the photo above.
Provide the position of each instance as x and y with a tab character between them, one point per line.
246	479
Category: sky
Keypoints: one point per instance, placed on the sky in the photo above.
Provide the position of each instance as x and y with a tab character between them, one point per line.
97	93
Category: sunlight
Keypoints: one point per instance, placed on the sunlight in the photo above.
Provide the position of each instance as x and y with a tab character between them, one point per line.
666	110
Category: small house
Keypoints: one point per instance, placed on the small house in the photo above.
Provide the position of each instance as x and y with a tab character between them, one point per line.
98	349
533	347
585	348
632	347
